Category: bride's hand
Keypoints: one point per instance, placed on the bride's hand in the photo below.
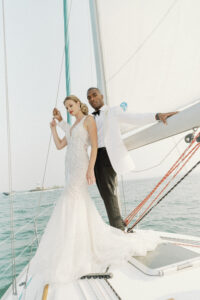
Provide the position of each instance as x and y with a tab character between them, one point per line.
90	176
53	124
57	114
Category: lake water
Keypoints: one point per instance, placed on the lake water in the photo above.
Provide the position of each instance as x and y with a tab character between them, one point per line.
179	212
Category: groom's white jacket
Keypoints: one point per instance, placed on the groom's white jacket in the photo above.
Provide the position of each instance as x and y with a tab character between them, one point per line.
117	152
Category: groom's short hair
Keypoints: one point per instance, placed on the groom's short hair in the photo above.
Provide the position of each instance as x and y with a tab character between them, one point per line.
93	88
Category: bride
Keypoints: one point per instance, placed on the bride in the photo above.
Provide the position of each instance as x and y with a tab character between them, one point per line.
76	240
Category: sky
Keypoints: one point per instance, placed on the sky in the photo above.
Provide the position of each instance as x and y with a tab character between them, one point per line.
35	44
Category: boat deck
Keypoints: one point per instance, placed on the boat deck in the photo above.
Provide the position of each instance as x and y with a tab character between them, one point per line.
176	281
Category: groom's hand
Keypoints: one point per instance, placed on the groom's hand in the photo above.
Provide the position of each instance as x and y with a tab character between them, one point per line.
163	116
57	115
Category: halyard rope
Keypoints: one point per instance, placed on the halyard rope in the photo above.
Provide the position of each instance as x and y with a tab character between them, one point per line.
175	166
50	139
146	39
179	181
161	161
48	151
147	169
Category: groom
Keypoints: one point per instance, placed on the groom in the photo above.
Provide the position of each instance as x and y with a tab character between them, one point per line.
112	156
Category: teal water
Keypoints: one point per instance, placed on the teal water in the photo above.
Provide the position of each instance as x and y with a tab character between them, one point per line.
178	213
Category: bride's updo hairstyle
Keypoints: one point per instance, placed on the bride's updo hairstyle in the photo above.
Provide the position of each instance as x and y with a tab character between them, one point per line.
83	106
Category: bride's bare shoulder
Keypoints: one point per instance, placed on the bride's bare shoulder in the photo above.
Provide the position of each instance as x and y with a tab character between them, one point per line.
89	120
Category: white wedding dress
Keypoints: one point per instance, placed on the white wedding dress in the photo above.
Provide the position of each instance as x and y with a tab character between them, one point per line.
76	240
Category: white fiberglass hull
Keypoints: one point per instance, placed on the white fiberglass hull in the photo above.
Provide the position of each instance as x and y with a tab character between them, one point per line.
127	283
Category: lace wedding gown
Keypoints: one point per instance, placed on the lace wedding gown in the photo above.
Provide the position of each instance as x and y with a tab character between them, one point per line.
76	240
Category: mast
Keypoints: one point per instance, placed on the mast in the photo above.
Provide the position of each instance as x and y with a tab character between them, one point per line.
100	72
67	66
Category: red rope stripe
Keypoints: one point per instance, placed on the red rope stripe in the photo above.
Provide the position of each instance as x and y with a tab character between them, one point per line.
187	245
194	150
182	157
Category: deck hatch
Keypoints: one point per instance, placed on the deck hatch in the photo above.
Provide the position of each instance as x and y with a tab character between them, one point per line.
165	258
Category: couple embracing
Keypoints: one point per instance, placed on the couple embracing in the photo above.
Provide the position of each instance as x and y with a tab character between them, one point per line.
76	240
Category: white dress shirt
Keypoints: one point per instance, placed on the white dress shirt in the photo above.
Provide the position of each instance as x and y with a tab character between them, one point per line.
100	124
109	135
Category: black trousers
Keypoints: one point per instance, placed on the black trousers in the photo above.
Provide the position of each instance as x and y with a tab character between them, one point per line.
106	179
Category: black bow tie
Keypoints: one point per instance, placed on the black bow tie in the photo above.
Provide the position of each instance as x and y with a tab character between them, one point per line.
97	112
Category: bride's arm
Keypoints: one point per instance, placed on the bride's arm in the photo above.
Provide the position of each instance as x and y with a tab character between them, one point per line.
58	142
92	131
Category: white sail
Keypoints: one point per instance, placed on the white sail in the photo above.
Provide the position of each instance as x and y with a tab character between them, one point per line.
150	52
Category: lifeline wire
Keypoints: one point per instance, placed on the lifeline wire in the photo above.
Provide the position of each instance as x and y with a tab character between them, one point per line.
12	236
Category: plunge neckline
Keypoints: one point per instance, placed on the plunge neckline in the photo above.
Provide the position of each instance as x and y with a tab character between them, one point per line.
73	127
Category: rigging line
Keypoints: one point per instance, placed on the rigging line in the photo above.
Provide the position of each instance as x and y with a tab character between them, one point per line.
139	207
30	244
123	193
57	93
60	74
49	145
29	222
181	240
35	225
179	152
165	157
187	245
26	277
20	254
90	40
195	149
166	194
12	236
174	166
50	139
63	56
143	42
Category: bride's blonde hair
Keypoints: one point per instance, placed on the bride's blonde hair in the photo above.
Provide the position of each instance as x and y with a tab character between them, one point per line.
83	106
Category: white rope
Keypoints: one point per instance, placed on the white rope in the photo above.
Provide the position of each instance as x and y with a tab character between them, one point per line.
12	237
50	139
158	164
123	193
165	157
25	226
143	42
90	40
48	151
57	93
18	256
186	167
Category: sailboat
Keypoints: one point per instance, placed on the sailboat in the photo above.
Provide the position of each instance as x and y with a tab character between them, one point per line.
146	52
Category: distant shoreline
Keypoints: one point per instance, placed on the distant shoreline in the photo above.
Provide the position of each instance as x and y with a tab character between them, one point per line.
37	189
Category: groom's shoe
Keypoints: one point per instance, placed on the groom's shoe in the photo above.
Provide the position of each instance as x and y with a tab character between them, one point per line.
129	230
